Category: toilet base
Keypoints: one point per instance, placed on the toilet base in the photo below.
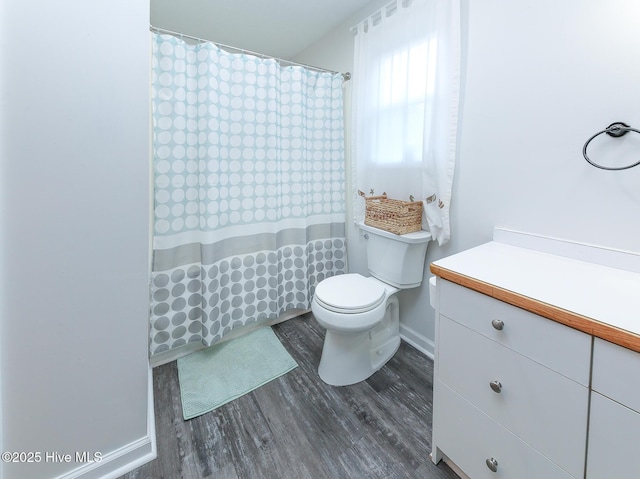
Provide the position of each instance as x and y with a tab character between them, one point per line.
348	358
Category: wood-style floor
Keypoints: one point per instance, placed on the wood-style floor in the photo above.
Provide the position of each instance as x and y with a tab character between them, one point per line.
298	427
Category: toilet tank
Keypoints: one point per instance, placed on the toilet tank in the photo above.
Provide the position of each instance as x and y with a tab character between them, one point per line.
397	260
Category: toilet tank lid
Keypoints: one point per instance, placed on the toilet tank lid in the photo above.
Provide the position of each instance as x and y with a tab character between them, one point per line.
421	236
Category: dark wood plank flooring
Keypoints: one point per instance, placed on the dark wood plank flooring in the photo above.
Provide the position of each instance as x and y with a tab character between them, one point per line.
298	427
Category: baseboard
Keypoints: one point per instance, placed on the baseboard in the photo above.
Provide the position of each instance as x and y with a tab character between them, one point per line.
174	354
418	341
455	468
127	458
451	465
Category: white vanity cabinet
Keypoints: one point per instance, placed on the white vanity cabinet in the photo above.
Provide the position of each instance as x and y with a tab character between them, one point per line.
511	394
614	426
537	360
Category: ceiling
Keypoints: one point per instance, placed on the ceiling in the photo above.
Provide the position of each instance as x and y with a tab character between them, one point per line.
280	28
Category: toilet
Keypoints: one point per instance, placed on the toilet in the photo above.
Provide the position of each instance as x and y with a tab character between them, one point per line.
361	314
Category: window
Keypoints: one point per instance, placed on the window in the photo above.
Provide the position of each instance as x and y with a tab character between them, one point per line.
406	78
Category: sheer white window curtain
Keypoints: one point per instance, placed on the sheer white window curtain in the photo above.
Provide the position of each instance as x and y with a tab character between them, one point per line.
405	104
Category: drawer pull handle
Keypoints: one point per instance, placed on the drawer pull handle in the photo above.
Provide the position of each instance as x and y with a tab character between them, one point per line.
496	386
498	324
492	464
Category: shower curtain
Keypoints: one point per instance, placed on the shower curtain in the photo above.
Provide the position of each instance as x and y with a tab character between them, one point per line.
249	194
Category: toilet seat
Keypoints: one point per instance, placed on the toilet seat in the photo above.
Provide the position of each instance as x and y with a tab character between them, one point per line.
350	294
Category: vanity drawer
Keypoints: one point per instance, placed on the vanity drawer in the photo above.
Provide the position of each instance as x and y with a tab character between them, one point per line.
543	408
543	340
470	437
613	440
615	373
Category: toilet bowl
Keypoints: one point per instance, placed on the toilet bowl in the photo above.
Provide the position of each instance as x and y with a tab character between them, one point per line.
360	313
361	317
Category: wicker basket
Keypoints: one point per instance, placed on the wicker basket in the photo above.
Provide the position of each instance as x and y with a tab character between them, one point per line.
396	216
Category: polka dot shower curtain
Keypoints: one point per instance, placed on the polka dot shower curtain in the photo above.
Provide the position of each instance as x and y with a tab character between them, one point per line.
249	190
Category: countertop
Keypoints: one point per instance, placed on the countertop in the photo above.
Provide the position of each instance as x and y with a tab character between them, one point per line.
598	299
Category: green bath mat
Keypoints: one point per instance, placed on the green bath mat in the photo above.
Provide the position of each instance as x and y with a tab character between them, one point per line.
221	373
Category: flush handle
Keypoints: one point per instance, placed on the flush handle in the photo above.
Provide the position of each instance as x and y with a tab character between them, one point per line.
492	464
496	386
498	324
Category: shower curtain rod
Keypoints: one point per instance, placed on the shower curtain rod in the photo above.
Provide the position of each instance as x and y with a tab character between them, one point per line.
345	76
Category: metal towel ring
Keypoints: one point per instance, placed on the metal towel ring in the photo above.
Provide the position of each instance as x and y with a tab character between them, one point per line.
615	130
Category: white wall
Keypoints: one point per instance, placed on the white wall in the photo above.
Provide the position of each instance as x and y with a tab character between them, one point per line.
74	234
538	80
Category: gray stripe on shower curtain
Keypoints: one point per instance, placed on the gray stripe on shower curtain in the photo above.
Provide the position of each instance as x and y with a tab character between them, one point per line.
198	302
165	259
